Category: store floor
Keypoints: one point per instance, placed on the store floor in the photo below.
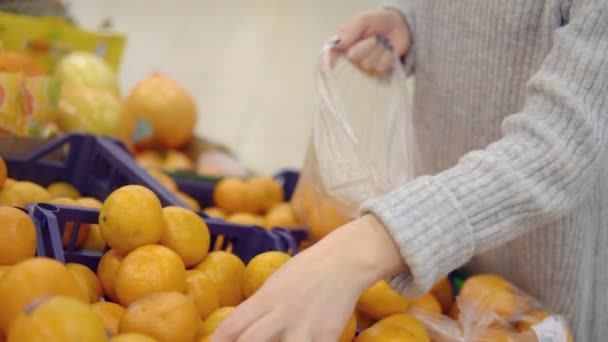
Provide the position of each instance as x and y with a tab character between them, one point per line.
249	64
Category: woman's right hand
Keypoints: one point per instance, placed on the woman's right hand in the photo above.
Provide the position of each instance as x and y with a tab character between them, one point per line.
371	39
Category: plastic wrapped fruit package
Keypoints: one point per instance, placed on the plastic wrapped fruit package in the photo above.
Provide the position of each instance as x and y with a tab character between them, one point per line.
28	104
362	143
490	309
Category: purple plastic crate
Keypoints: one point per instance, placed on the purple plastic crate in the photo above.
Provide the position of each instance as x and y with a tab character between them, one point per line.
96	166
203	193
50	220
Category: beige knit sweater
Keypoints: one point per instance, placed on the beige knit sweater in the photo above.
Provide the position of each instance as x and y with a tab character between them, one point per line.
511	113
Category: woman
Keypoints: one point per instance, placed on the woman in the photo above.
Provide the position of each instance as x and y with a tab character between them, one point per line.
511	115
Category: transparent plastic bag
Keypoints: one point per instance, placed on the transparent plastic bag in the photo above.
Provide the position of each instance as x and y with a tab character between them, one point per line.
489	309
362	143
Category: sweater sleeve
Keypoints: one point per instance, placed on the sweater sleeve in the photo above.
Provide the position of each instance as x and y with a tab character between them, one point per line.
407	10
540	168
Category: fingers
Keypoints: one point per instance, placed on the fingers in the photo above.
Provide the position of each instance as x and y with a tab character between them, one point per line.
266	329
240	320
362	50
372	55
352	32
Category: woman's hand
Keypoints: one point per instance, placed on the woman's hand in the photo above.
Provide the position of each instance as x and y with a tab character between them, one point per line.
312	297
370	40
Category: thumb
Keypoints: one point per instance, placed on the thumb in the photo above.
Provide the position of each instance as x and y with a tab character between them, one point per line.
351	33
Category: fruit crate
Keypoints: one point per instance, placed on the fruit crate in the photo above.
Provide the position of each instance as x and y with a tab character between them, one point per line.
201	189
51	220
95	166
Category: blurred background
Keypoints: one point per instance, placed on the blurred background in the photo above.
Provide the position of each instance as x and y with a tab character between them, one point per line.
248	64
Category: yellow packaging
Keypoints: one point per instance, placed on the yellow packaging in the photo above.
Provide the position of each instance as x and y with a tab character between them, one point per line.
48	39
40	96
12	119
28	105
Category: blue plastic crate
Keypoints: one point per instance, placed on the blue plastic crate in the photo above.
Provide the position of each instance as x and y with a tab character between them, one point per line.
244	241
95	166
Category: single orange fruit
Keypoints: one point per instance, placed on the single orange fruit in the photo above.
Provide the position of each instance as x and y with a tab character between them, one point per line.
493	293
426	303
107	270
186	234
380	301
149	269
233	195
190	201
110	315
203	292
31	279
227	271
177	160
23	193
214	320
132	337
4	268
266	192
386	333
324	219
215	212
149	159
17	236
89	202
164	179
443	292
63	189
303	200
131	217
409	323
350	330
206	338
399	327
9	181
167	106
94	241
166	316
260	268
281	215
57	319
87	280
